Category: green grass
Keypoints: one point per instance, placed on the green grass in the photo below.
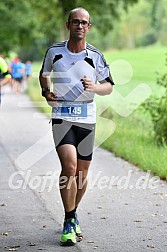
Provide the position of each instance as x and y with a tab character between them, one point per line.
145	62
133	138
34	89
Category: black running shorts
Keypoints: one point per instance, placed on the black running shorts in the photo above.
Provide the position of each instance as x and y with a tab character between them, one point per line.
80	135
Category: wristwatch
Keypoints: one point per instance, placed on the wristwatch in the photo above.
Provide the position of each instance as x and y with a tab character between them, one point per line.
44	90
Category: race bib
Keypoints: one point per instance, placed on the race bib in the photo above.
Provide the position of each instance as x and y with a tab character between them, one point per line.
73	110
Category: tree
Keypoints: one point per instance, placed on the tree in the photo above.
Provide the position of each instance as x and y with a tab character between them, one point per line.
159	20
17	24
24	21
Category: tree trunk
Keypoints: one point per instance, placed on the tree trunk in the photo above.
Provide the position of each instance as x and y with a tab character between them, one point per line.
66	6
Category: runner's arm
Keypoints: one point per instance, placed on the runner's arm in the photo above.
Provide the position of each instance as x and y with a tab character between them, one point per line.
105	88
45	84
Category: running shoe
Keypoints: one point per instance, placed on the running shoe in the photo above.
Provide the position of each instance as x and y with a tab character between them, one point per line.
68	237
78	229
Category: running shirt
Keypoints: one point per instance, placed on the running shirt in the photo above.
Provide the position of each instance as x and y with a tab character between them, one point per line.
18	69
67	71
4	69
28	68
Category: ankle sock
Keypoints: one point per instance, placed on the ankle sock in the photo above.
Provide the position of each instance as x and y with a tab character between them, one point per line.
70	215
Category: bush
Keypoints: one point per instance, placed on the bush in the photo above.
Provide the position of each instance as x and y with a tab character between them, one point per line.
147	39
157	107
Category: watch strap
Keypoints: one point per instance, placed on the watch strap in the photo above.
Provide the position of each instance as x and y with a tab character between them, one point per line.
44	90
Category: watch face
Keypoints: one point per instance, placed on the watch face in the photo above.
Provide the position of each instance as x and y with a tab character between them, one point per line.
44	90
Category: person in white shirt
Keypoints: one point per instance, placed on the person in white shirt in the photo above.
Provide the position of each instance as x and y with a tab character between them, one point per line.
78	72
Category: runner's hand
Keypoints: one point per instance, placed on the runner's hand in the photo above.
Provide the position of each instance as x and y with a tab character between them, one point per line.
50	98
88	84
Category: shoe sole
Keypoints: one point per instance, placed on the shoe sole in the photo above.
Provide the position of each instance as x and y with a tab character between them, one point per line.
79	237
69	242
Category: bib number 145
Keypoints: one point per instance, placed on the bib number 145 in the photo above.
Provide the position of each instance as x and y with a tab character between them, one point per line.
74	110
79	110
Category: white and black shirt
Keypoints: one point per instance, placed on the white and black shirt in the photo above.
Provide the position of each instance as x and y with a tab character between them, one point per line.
67	71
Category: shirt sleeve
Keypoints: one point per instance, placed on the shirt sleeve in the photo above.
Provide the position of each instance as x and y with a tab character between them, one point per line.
47	64
103	71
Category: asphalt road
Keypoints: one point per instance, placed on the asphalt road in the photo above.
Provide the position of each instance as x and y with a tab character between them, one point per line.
123	210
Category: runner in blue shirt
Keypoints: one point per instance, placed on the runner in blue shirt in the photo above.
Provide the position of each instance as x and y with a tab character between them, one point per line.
18	72
28	67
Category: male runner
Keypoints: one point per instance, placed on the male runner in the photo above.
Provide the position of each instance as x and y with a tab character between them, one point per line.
76	67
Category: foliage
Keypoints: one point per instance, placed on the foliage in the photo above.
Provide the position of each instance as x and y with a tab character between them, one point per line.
104	21
157	107
17	24
23	22
146	39
29	27
145	23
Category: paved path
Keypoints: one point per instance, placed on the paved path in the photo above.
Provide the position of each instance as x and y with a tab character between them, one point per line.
124	209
